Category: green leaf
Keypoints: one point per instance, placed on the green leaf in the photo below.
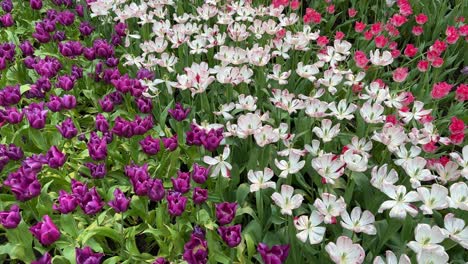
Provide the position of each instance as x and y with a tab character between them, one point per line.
24	88
94	230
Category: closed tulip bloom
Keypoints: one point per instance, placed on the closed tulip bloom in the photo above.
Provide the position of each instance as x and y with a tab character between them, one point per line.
24	184
91	203
199	195
55	158
200	173
87	256
179	113
277	254
67	129
36	115
150	145
225	212
10	218
176	203
98	171
66	202
182	182
196	249
156	190
170	143
46	231
231	235
120	203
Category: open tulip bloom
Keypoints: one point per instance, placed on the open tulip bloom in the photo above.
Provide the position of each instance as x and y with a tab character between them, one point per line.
240	131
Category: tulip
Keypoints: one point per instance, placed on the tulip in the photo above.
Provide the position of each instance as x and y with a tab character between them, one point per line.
120	203
66	202
98	171
199	195
87	256
36	115
10	218
23	184
225	212
176	203
150	145
46	231
200	173
156	190
179	113
276	255
231	235
182	182
170	143
196	249
91	203
55	158
67	129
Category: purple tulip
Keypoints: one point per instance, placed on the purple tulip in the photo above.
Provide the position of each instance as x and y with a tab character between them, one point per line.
14	152
120	29
10	218
27	48
97	147
231	235
79	189
150	145
212	139
86	29
23	184
103	49
87	256
67	129
123	128
194	135
112	62
66	202
139	178
76	72
179	113
182	182
156	190
7	20
101	123
199	195
55	158
89	53
65	82
60	36
120	203
35	162
116	40
46	231
225	212
144	105
276	255
91	203
7	6
176	203
68	101
200	173
66	18
97	171
106	104
35	4
170	143
196	249
10	95
45	259
79	10
12	115
55	103
36	115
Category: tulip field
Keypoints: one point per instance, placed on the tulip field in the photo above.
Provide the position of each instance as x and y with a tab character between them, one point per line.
233	131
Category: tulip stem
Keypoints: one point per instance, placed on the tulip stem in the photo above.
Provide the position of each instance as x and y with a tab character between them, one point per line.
260	205
122	234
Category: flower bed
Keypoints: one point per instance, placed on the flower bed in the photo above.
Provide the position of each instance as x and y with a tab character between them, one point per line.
233	131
